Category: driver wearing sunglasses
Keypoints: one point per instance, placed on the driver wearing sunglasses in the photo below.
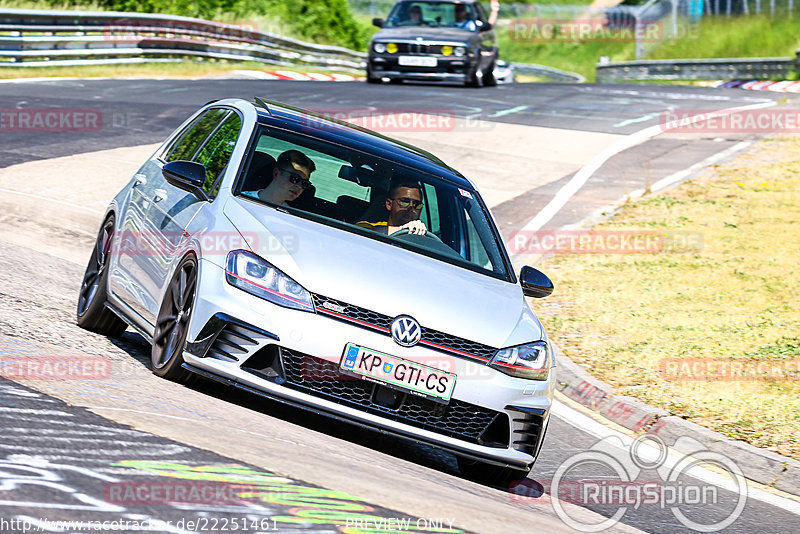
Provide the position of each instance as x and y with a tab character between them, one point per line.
290	178
404	206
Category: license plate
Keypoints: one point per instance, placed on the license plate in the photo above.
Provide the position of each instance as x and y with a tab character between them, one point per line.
398	373
417	61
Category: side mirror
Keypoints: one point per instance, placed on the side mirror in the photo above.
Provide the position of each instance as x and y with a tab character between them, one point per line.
377	22
535	283
187	175
485	26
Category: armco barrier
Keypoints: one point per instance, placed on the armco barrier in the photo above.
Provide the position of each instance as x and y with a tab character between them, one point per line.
35	38
30	38
696	69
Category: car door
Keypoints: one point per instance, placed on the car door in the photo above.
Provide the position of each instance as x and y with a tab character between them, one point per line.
143	255
131	279
173	208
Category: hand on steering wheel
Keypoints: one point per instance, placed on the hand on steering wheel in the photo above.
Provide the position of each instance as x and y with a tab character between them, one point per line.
407	231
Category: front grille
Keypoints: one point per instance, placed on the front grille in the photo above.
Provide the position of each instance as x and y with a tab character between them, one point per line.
457	419
383	323
417	48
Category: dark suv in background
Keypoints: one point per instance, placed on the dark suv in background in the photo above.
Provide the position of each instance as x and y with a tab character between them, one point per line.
434	40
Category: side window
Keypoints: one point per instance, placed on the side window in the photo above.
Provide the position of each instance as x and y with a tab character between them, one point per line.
216	152
186	146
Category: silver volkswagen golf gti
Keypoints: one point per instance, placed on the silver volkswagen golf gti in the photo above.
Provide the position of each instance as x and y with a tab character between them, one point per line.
334	269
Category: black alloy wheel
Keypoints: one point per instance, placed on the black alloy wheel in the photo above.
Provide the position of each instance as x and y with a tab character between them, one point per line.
92	313
172	323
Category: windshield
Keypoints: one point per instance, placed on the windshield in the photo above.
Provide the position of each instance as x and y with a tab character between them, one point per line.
416	13
372	197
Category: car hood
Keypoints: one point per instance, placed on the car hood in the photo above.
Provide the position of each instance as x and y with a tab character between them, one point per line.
440	33
387	279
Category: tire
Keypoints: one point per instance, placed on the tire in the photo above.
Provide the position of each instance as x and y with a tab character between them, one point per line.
488	76
490	474
472	79
91	313
371	79
172	323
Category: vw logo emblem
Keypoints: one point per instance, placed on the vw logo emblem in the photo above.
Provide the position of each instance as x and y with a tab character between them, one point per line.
406	331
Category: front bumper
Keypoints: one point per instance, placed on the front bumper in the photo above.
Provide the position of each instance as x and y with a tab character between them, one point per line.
447	69
293	356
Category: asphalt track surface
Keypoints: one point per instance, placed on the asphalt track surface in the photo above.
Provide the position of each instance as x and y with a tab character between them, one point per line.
76	468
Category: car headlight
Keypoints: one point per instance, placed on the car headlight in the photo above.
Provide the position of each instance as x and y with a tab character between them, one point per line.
531	361
460	51
258	277
391	48
447	50
379	48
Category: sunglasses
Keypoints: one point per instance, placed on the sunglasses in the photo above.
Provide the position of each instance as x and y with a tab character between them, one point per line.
297	179
406	203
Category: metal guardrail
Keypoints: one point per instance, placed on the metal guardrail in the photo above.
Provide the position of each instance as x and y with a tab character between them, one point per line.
30	38
34	38
548	72
696	69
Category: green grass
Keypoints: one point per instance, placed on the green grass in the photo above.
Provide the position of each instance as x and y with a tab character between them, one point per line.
753	36
629	317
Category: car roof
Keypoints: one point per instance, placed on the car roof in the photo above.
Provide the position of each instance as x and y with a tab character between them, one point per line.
277	114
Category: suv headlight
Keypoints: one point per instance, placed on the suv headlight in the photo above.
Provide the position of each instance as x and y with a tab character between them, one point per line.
380	48
258	277
460	51
531	361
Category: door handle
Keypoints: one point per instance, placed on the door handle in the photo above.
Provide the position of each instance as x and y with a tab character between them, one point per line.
160	195
139	179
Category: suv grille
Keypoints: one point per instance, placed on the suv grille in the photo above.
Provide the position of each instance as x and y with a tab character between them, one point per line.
383	323
457	419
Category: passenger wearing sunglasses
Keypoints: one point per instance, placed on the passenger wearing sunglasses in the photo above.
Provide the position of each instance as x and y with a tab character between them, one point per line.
290	178
404	206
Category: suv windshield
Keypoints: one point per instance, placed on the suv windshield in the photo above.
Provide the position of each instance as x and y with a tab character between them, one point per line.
372	197
421	13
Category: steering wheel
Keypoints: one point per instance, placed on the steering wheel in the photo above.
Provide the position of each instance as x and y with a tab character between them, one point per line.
406	231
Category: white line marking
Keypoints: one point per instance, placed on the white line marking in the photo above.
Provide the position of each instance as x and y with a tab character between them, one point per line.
643	118
678	176
504	112
576	182
586	424
14	411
